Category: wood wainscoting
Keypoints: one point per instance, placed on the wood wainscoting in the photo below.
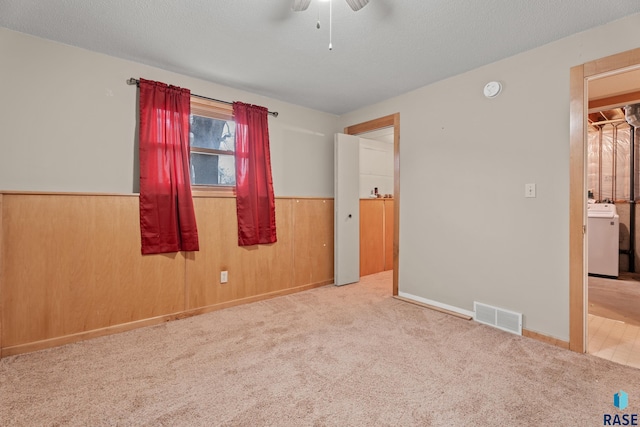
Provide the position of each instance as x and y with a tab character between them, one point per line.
376	235
71	267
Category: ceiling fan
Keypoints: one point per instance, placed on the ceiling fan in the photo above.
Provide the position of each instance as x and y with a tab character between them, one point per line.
302	5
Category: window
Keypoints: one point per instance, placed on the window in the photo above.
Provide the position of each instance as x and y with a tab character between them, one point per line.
212	140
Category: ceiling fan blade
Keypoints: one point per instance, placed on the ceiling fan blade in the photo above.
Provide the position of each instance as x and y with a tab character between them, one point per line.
300	5
356	5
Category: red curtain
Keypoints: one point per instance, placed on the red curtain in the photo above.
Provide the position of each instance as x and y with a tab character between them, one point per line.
255	203
167	218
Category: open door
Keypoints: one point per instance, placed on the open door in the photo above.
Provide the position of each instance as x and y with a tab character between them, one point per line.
347	209
392	120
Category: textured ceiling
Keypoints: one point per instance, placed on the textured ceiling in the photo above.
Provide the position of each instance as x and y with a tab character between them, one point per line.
388	48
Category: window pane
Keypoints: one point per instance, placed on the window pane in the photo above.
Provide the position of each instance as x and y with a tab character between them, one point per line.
226	170
212	133
213	169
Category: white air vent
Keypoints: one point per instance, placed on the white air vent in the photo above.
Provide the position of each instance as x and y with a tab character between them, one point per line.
498	318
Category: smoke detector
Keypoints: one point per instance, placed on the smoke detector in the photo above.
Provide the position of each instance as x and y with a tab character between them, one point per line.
492	89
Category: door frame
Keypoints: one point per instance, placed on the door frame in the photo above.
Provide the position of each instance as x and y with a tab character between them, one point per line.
579	107
392	120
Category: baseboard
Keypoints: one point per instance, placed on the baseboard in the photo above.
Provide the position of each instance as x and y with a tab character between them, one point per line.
124	327
546	339
81	336
261	297
434	305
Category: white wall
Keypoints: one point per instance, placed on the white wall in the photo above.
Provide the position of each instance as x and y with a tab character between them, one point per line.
376	167
68	123
466	231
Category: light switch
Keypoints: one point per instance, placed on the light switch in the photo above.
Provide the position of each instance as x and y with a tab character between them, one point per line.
529	190
224	276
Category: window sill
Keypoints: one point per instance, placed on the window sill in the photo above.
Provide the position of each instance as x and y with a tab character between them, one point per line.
205	191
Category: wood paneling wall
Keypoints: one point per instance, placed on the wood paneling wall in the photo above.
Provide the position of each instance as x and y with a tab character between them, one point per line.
388	233
312	241
371	236
376	235
71	268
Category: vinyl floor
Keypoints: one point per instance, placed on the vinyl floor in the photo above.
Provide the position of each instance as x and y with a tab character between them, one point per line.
614	319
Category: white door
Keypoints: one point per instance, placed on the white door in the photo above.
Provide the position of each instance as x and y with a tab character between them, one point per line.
347	209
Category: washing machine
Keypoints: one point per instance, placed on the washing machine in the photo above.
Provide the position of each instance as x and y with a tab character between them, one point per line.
603	231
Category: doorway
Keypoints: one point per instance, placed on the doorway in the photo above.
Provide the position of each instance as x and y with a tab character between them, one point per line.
581	76
390	121
613	297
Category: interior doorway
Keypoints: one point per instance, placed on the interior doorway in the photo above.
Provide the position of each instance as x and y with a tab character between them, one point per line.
390	121
613	286
581	77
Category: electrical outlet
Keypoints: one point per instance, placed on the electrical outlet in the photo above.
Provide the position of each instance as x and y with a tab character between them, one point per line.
224	276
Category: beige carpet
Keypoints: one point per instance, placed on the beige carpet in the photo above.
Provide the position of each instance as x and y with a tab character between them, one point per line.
349	356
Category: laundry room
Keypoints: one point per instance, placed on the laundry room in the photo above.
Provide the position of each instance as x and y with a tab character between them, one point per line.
613	231
612	240
613	186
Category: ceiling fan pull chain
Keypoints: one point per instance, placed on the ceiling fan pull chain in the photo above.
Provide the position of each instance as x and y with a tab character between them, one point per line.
330	23
318	9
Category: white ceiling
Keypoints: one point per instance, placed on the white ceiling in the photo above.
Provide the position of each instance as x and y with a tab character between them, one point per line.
388	48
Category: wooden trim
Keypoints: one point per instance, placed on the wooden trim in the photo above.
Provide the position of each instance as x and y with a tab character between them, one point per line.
579	78
81	336
64	193
224	193
388	233
212	109
616	101
1	271
220	191
545	339
396	203
294	230
576	210
256	298
375	124
380	123
68	339
213	151
196	191
433	307
612	63
303	198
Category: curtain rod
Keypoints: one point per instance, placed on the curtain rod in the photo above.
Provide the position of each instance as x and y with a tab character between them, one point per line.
133	81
